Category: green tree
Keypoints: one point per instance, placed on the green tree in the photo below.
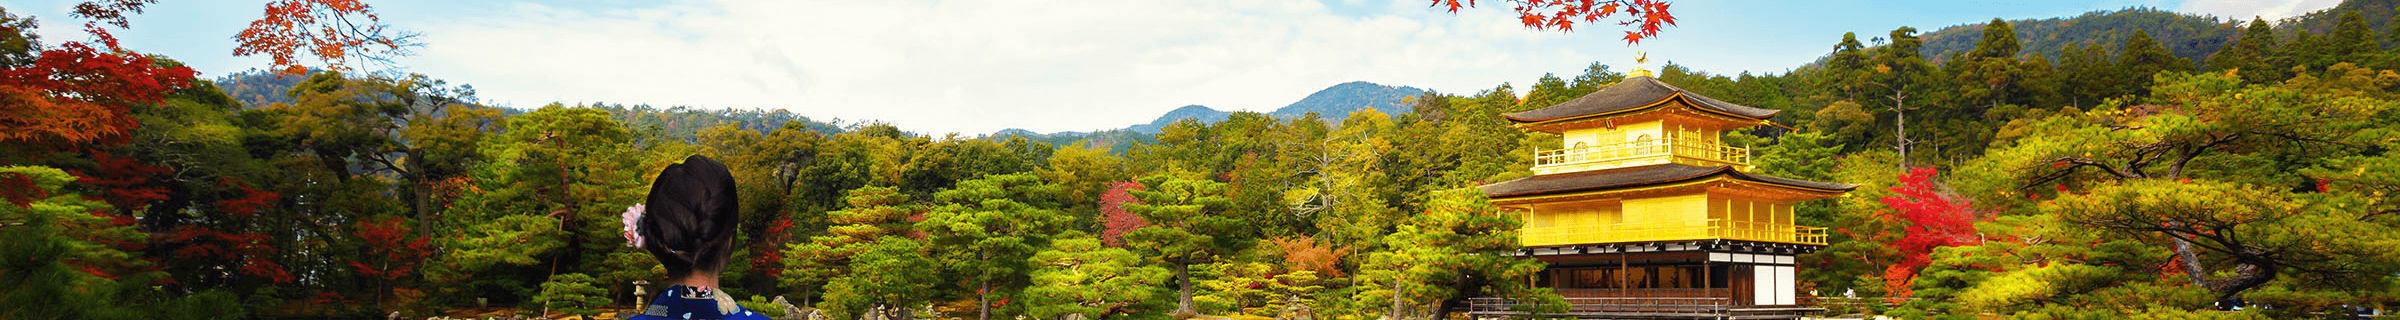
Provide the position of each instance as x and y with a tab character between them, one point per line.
2086	75
2213	178
1459	247
769	163
874	213
2353	41
556	174
2143	58
1185	214
2250	55
1593	78
945	162
844	162
416	128
572	294
1077	275
1548	91
990	226
887	277
1991	74
1847	70
1344	187
1903	81
2306	50
1999	41
63	261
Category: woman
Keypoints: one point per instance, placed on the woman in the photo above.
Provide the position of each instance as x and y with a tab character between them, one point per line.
688	225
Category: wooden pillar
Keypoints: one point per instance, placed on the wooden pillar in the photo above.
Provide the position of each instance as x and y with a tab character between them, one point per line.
1624	273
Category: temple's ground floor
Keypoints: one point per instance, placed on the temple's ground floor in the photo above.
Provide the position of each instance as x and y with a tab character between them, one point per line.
1696	279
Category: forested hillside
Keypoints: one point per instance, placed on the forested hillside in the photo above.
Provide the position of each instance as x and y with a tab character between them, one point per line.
2188	36
2114	179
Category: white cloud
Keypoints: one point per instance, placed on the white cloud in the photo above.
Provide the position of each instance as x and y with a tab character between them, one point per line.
978	66
2245	9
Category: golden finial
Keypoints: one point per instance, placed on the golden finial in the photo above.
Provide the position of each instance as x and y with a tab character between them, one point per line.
1638	59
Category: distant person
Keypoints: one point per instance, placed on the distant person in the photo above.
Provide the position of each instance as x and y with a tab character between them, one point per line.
688	225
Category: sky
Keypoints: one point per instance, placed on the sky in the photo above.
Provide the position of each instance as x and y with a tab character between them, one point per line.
979	66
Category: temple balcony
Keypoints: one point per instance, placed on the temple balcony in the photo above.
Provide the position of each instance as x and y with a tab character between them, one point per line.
1687	151
1672	230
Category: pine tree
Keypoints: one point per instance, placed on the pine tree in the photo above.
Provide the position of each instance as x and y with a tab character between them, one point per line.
2305	51
2248	185
1548	91
1079	276
989	226
2353	41
1999	41
890	275
1846	71
1186	215
1989	73
2084	73
1903	81
2250	55
2144	57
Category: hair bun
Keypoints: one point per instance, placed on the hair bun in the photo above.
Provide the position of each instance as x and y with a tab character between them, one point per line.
690	219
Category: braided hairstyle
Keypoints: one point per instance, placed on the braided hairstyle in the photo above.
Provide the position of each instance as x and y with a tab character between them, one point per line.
691	217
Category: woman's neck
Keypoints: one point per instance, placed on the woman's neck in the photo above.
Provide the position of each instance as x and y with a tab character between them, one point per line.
696	280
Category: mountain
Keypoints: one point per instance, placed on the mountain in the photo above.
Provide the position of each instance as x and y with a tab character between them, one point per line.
1337	102
1331	105
2378	14
259	88
1204	114
2189	36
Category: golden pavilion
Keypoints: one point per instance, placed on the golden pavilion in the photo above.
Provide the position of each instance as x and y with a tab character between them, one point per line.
1643	213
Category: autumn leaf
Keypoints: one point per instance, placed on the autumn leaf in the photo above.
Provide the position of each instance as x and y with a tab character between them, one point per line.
1645	17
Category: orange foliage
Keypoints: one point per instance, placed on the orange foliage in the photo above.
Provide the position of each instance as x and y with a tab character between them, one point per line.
1645	16
76	95
1306	254
331	30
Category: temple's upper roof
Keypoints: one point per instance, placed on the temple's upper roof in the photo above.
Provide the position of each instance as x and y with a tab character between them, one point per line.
1633	93
1638	177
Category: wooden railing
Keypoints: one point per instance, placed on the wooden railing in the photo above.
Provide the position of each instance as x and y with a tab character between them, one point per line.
1673	230
1689	151
1643	292
1679	305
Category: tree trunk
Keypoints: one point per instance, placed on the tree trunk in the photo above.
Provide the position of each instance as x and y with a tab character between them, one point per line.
1465	287
983	294
1396	301
2191	262
1183	298
1900	132
2246	275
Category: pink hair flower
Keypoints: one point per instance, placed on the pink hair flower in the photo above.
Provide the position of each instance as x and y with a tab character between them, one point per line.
633	219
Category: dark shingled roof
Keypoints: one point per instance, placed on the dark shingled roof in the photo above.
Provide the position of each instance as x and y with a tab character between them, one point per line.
1636	177
1634	92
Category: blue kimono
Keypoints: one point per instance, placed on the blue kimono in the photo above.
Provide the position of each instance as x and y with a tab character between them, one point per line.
681	302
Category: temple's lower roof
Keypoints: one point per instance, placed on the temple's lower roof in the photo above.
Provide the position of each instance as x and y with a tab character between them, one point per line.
1638	177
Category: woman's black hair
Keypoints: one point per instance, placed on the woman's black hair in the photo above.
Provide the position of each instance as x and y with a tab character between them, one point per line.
690	217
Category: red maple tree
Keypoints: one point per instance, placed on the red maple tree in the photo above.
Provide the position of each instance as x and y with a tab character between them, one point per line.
76	95
393	253
1935	218
1116	221
248	252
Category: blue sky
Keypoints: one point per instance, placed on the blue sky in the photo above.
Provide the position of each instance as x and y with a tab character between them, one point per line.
977	66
